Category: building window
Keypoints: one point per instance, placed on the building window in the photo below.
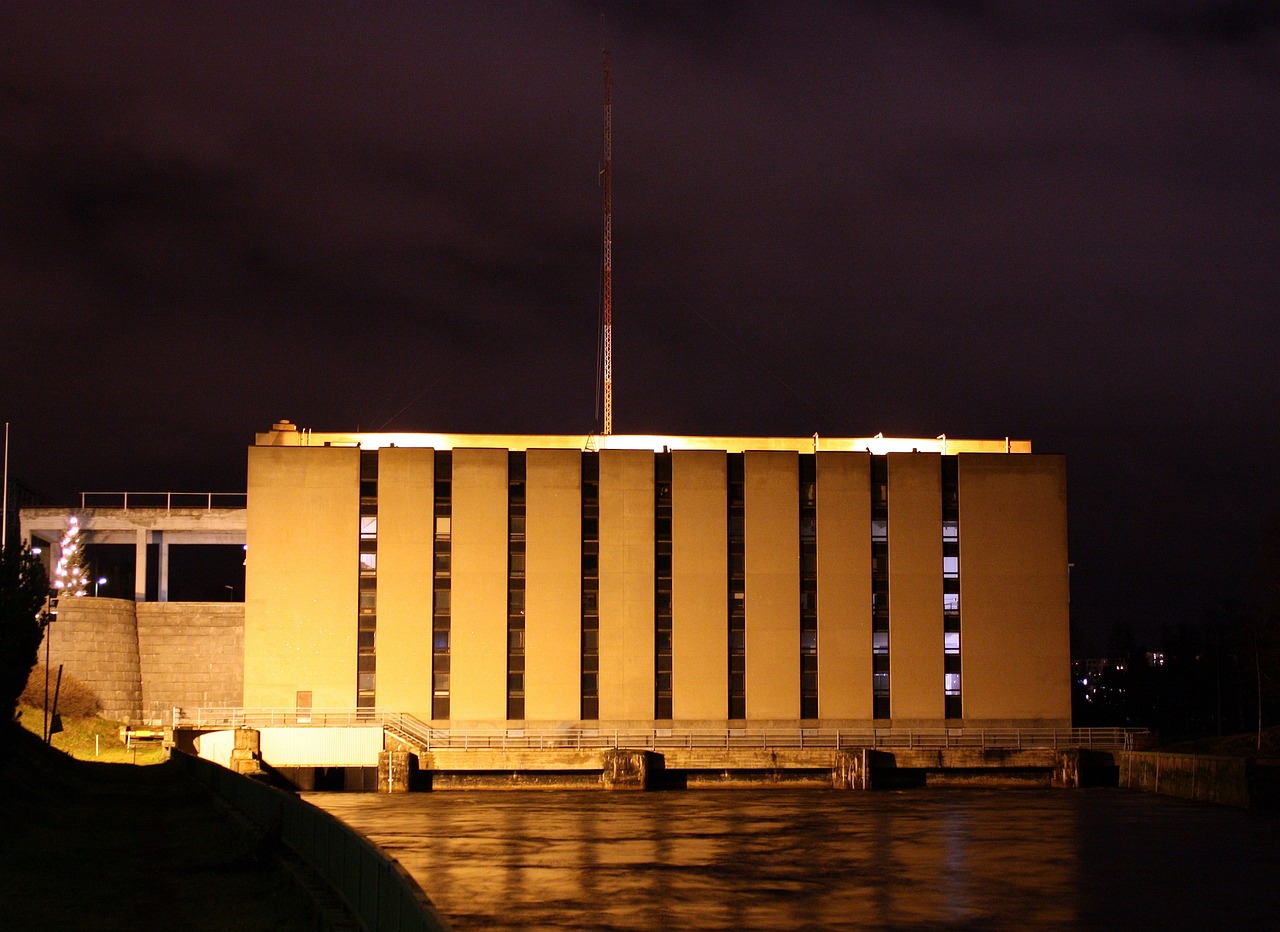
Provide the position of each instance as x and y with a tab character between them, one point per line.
590	586
880	587
662	661
515	584
951	585
808	470
441	589
367	618
736	468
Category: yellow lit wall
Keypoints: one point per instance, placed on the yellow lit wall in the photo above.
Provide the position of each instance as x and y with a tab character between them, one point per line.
844	585
1015	640
301	576
553	585
699	586
916	687
626	585
771	496
478	627
406	479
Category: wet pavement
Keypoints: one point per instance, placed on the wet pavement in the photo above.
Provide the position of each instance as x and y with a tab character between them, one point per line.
814	859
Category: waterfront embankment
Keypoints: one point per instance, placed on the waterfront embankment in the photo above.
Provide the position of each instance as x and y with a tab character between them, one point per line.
1251	783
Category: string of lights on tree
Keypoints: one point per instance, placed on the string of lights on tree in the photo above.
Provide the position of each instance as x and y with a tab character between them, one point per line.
71	576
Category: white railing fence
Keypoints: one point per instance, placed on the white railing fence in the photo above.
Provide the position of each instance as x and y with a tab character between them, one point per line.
169	501
428	736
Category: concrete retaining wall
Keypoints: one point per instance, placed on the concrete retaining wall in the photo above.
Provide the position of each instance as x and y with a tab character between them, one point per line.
379	893
1223	780
144	658
97	641
191	654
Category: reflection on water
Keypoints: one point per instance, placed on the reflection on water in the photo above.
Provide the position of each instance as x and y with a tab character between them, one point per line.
826	860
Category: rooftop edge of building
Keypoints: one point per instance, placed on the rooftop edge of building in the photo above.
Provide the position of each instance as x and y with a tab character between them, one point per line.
285	433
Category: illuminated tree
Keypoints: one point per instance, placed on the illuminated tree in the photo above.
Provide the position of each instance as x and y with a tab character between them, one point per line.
71	576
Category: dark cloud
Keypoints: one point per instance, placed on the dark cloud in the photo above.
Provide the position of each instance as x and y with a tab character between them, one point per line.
1049	221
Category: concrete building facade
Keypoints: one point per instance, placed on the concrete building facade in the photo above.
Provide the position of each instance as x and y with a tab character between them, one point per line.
707	581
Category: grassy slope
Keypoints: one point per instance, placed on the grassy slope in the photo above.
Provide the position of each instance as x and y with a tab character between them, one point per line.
93	739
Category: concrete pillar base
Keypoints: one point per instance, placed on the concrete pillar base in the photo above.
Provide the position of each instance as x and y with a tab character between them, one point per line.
394	771
1067	771
851	770
246	755
625	769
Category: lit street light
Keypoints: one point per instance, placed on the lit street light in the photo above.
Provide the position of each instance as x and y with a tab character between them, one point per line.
102	581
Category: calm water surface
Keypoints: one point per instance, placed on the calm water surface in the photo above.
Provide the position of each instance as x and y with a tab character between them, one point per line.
814	859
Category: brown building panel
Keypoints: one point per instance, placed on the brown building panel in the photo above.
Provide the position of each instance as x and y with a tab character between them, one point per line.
626	585
406	478
478	629
553	585
916	687
300	576
844	586
699	585
771	497
1014	629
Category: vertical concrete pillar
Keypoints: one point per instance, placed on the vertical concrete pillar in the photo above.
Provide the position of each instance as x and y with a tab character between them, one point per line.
247	752
140	567
163	594
394	768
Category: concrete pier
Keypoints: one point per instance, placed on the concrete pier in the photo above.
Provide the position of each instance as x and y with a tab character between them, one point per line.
626	770
395	771
246	754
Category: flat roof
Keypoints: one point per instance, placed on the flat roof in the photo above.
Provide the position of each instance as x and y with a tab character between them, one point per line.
285	433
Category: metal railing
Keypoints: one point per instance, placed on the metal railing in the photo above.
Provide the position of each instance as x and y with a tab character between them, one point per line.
166	500
428	737
374	886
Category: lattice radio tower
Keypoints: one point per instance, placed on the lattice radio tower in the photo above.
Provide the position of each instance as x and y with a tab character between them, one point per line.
606	280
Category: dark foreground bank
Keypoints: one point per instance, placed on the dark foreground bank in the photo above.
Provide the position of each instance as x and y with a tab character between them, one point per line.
113	846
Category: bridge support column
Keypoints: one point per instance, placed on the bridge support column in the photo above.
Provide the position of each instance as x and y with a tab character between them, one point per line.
849	771
246	755
162	538
855	769
625	769
140	566
1067	771
394	769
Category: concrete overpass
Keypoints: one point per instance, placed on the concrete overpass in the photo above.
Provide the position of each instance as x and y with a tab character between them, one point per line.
141	518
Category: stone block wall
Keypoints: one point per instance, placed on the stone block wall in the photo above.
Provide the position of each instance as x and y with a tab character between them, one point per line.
97	641
1224	780
192	654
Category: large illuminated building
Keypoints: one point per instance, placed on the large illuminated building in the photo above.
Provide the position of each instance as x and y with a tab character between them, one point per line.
558	580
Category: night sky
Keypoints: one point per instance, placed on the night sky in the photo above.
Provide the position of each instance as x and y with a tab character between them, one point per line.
1056	222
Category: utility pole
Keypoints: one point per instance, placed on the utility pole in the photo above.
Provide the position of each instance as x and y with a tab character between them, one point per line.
4	508
606	284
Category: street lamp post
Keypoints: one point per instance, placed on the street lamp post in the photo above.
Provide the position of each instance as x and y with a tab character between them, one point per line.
48	615
101	581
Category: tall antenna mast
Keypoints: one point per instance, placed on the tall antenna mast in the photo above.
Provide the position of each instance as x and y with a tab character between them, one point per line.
606	285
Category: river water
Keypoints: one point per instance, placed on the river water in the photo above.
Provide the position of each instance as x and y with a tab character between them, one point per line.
815	859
